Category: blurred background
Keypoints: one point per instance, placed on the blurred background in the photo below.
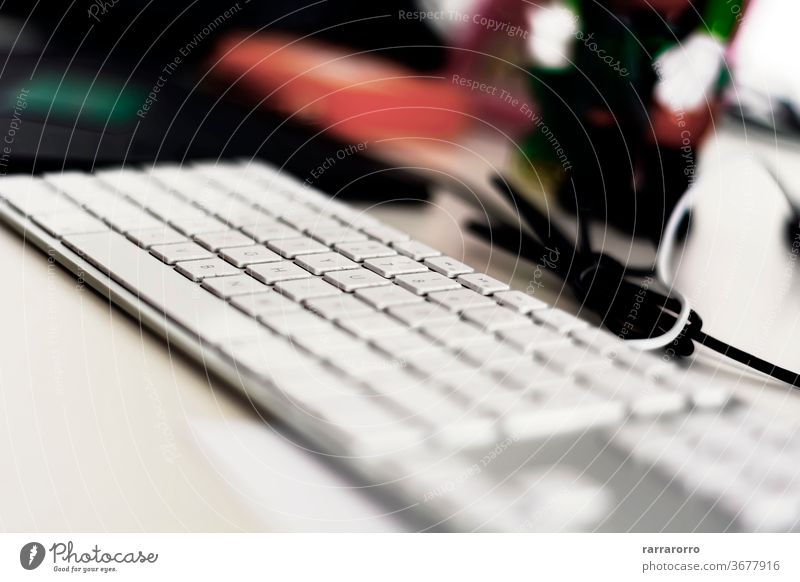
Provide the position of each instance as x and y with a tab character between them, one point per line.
599	106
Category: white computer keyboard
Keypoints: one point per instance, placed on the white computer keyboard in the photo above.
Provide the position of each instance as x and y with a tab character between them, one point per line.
404	364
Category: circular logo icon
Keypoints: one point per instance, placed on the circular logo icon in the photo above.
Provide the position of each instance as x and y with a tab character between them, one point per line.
31	555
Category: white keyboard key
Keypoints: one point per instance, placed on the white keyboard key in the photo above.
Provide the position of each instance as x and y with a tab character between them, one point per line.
266	230
404	344
641	396
454	335
489	351
342	306
387	296
529	376
397	265
288	323
460	299
437	362
197	223
522	302
569	410
326	343
385	234
156	236
214	241
569	358
125	220
237	214
233	286
448	266
270	273
263	303
301	290
495	318
599	341
559	320
339	234
424	283
65	223
360	251
185	251
372	325
202	268
249	255
483	284
321	263
415	250
293	247
526	339
306	221
353	279
417	315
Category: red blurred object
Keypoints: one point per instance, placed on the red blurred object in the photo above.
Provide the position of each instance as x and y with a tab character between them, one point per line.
355	96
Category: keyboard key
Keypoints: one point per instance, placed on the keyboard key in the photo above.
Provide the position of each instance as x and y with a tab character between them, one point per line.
569	358
455	334
387	296
559	320
353	279
195	223
495	318
288	323
341	306
127	219
372	325
460	299
526	339
200	269
415	250
569	410
424	283
360	251
250	255
301	290
483	284
310	221
293	247
403	345
65	223
237	214
385	234
267	230
214	241
489	352
186	251
522	302
325	343
271	273
447	266
264	303
156	236
390	266
642	397
417	315
321	263
233	286
339	234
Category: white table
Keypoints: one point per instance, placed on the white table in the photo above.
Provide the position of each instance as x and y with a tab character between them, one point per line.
101	428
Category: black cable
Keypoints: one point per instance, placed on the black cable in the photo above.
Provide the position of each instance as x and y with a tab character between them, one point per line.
603	285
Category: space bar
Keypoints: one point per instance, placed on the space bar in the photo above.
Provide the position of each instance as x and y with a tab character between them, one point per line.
163	288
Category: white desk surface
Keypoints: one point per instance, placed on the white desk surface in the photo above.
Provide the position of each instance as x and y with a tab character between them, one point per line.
102	429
